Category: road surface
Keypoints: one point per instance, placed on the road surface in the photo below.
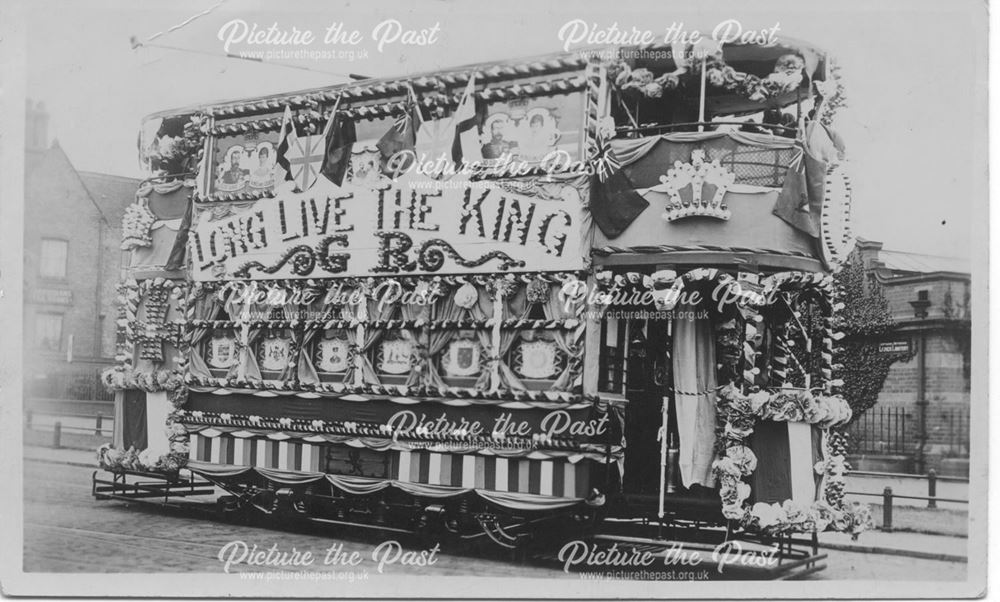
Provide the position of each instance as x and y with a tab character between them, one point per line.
67	530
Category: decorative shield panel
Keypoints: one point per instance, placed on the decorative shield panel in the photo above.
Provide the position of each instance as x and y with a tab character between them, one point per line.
273	353
332	351
221	350
461	358
537	359
394	356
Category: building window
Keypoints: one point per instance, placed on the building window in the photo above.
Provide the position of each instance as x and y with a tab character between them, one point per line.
53	261
48	331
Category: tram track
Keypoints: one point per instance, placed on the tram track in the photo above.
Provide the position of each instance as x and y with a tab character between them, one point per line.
130	541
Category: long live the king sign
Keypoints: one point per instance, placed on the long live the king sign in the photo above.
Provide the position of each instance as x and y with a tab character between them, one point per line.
397	229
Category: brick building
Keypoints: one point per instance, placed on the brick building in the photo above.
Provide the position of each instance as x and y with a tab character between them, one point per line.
72	263
929	297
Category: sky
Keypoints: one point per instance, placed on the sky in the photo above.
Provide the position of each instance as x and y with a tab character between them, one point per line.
915	125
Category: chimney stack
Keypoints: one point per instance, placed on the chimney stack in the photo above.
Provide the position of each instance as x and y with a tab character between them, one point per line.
36	132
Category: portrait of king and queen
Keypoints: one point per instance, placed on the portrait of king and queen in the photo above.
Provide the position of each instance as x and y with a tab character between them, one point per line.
245	166
528	135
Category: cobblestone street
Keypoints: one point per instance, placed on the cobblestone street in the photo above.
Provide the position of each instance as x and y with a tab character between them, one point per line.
66	530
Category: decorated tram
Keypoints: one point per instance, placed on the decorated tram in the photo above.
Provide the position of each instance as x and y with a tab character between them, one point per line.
578	293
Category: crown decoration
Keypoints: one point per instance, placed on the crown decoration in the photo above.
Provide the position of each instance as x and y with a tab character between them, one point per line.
697	188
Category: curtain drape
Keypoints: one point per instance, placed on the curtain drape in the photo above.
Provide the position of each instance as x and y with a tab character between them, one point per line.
206	307
376	312
437	340
556	309
694	390
516	306
290	373
417	337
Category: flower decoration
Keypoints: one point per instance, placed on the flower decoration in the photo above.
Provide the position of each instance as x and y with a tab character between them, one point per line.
466	296
133	460
739	412
136	225
177	155
538	291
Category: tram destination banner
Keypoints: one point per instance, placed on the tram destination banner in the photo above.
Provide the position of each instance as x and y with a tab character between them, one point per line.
409	227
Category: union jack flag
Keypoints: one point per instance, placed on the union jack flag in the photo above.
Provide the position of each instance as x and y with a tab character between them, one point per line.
300	156
305	158
606	161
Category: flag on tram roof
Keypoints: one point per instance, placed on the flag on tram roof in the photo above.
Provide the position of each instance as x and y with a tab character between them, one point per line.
286	136
468	119
800	202
614	203
340	137
178	251
401	138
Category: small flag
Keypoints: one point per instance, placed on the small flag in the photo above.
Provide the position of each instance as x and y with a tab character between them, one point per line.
800	201
614	203
400	138
340	137
204	177
467	123
177	252
286	137
606	162
305	158
435	139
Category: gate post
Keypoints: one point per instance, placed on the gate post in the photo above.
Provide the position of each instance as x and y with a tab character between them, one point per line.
931	488
887	509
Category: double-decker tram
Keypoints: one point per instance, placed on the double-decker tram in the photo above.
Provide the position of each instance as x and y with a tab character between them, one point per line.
567	297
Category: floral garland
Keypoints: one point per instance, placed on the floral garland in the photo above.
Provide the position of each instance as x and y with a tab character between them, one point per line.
130	330
835	97
739	414
177	155
785	77
136	226
120	377
131	459
247	385
124	376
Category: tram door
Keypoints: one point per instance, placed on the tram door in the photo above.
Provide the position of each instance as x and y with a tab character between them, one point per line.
646	378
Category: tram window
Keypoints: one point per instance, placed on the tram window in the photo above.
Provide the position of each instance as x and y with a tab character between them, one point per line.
611	377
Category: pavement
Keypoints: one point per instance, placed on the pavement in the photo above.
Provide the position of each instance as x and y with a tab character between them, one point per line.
898	543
